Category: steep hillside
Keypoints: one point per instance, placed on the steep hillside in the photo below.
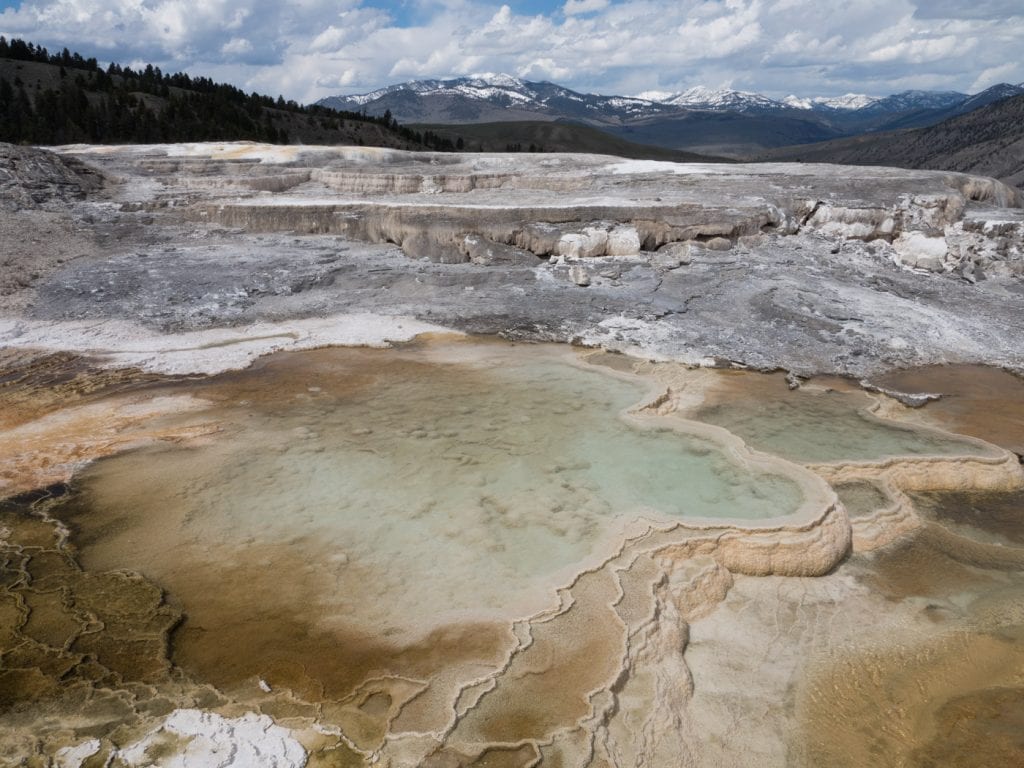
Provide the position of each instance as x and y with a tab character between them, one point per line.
925	115
988	141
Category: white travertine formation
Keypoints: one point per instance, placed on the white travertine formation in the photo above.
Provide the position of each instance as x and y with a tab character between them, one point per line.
209	351
192	738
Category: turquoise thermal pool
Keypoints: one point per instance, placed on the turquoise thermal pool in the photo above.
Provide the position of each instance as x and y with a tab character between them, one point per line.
442	488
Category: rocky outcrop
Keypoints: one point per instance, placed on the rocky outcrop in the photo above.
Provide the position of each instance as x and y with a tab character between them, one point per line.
548	206
34	178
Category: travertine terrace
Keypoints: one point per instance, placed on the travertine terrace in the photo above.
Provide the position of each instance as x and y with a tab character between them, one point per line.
806	268
266	491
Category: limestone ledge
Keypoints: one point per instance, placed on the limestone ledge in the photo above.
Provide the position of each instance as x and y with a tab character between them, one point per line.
897	476
547	204
438	232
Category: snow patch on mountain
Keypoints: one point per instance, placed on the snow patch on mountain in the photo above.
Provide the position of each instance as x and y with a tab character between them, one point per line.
659	97
497	79
700	97
849	101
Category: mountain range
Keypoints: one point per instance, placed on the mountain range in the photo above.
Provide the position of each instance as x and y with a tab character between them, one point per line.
725	122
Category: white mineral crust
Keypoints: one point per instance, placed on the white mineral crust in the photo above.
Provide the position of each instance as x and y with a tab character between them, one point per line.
191	738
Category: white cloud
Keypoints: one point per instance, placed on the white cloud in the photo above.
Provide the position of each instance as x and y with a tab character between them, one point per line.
307	49
575	7
1009	72
976	9
236	46
923	50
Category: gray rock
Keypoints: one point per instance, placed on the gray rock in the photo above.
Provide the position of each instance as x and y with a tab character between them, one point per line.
672	256
578	274
486	253
909	399
423	246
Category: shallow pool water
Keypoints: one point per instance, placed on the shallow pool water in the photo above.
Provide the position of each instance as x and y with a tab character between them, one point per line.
988	516
823	426
861	497
397	493
351	535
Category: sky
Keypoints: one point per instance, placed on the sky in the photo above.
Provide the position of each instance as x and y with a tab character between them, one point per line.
308	49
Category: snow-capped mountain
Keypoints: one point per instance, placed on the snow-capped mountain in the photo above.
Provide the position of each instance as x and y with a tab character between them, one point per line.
725	99
485	86
484	97
700	97
488	96
696	119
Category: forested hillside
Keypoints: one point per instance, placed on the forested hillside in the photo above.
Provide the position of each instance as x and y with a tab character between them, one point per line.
63	98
